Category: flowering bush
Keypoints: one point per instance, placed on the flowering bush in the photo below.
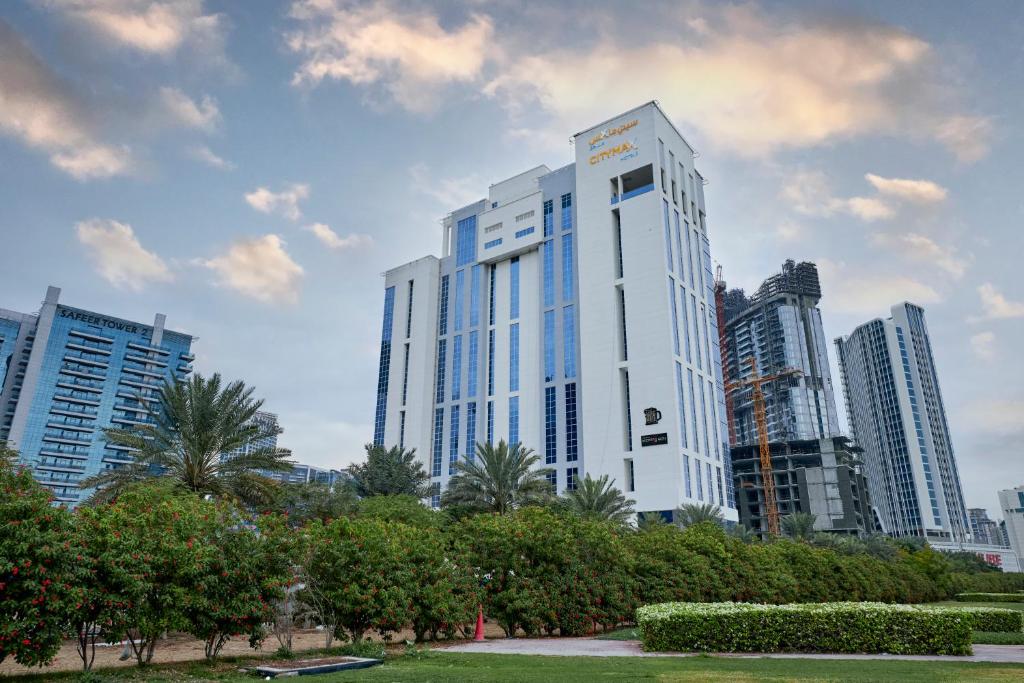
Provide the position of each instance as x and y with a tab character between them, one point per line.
990	597
828	627
992	619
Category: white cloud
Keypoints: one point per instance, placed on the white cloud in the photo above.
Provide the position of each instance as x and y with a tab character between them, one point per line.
788	231
967	137
119	257
983	345
1001	416
919	191
285	202
408	52
922	248
996	306
259	268
859	291
869	209
451	193
810	193
39	109
333	240
204	154
185	111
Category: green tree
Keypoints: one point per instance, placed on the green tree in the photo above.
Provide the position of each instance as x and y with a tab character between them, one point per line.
389	472
401	508
799	525
34	568
193	425
314	500
499	479
691	514
599	499
742	533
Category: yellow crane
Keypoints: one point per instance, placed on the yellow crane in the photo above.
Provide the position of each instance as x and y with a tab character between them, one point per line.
755	382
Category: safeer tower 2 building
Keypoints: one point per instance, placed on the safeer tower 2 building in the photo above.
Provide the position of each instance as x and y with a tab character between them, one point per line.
897	417
571	311
67	374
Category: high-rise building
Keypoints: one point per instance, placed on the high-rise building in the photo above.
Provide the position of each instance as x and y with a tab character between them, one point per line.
67	375
984	530
780	328
1011	502
267	422
897	417
572	311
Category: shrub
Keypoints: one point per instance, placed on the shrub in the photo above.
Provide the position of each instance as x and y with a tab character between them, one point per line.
990	597
988	582
830	627
993	618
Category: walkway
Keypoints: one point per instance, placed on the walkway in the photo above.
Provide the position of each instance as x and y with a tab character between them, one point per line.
592	647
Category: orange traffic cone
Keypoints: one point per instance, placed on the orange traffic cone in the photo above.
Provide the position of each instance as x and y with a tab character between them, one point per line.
479	636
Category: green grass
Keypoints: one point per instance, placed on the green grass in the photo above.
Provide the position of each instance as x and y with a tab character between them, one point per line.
627	633
440	667
998	638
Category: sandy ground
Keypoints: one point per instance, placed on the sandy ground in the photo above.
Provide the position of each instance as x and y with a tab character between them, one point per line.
182	648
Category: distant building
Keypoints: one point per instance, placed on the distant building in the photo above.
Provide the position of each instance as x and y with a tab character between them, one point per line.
1011	503
67	374
897	417
308	474
817	476
267	423
984	530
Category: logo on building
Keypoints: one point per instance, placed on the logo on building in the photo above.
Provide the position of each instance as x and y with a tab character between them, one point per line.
652	416
611	132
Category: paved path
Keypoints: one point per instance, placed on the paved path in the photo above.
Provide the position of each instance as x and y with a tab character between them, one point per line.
592	647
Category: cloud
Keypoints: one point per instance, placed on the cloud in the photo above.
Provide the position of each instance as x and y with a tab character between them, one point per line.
333	240
983	345
996	306
858	291
967	137
285	202
1001	416
451	193
40	110
788	231
205	155
259	268
183	110
919	191
118	256
810	193
869	209
921	248
409	53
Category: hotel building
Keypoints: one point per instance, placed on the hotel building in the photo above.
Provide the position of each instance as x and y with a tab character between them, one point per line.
571	310
67	374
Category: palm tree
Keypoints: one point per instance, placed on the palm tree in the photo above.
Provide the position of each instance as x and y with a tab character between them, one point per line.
389	472
500	479
690	514
192	427
743	533
799	525
599	499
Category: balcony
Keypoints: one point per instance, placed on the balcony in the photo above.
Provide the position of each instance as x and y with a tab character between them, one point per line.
88	349
72	398
81	373
148	349
80	359
91	337
142	360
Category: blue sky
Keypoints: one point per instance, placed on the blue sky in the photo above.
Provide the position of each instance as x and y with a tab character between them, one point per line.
251	168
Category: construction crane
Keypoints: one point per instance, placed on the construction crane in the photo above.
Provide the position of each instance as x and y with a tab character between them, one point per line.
755	382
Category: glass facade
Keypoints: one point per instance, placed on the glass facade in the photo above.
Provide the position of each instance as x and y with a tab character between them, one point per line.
571	435
569	340
465	245
514	288
550	426
513	361
453	439
457	367
513	420
384	368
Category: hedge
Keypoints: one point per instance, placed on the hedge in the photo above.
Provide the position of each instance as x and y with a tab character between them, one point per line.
829	627
995	619
990	597
988	582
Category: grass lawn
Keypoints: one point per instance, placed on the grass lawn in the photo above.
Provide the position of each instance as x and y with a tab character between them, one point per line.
998	638
439	667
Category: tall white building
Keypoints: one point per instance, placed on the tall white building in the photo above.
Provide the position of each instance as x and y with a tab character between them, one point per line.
896	415
572	311
1011	502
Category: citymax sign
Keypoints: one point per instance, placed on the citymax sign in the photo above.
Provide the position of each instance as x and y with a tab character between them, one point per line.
612	132
98	321
623	148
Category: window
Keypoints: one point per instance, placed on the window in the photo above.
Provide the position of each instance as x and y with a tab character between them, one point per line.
408	313
490	422
442	347
721	493
524	232
525	216
435	468
550	426
474	359
675	314
490	363
679	246
571	434
696	328
689	254
707	443
549	346
628	422
669	261
700	480
442	317
693	411
618	243
405	376
549	273
686	476
630	475
552	477
711	419
513	361
456	367
569	340
571	475
384	370
514	288
711	491
465	241
548	217
568	285
513	420
470	431
492	243
686	325
460	296
490	316
567	212
682	405
453	440
492	228
474	296
622	324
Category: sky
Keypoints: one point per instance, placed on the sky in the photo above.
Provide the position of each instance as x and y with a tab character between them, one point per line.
252	168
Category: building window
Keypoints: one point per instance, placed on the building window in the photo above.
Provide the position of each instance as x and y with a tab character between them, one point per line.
513	361
442	348
456	367
568	284
513	420
474	296
465	244
721	492
571	435
675	314
438	441
682	405
514	288
548	217
704	411
492	243
549	273
490	363
493	287
571	475
384	369
569	340
693	411
622	324
630	476
696	329
689	255
524	232
686	324
401	429
700	480
686	476
460	295
626	411
618	243
453	440
711	492
442	317
679	246
550	426
408	313
474	359
567	211
470	431
525	216
405	376
668	237
549	346
490	422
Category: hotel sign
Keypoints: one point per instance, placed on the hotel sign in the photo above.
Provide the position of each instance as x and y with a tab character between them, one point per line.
654	439
98	321
602	148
